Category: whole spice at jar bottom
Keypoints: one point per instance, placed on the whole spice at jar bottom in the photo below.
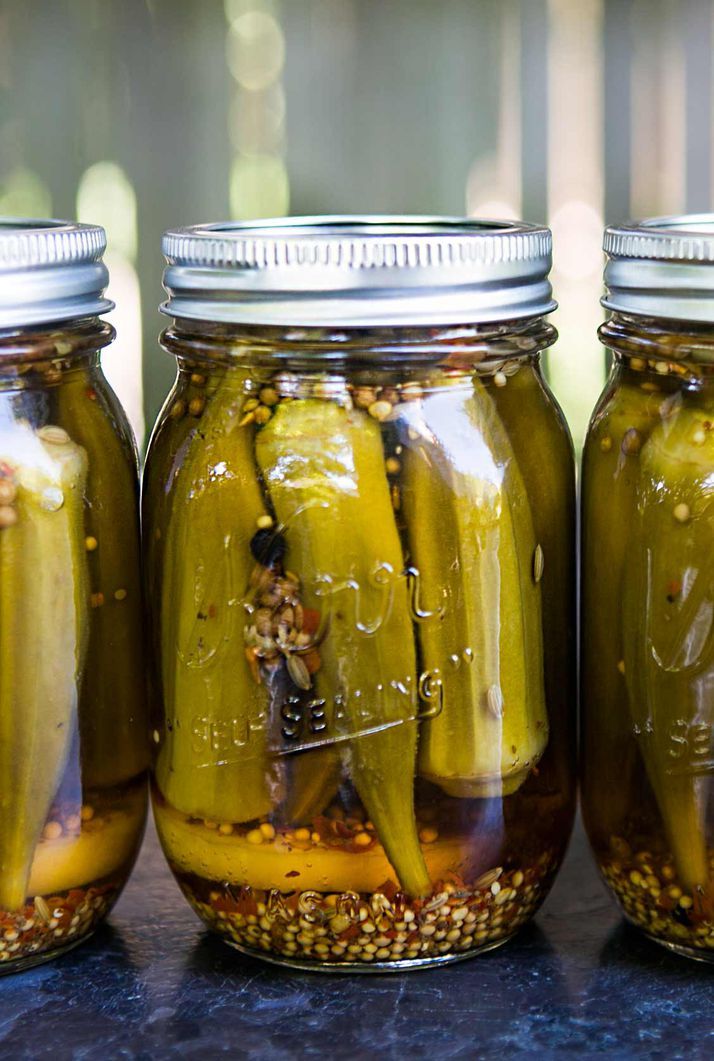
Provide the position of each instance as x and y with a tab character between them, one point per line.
384	927
653	898
50	922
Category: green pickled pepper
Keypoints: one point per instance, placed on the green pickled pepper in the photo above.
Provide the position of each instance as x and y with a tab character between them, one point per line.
323	466
668	625
44	600
472	543
113	721
213	761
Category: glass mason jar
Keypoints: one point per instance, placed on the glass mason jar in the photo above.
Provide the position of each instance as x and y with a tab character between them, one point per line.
359	541
73	731
648	594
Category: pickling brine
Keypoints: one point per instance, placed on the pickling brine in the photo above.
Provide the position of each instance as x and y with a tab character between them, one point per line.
648	605
73	728
361	587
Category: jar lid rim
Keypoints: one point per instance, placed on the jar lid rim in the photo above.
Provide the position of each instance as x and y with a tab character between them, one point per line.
358	270
678	237
661	267
50	271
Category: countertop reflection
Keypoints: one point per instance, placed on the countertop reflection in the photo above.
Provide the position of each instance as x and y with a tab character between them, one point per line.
153	984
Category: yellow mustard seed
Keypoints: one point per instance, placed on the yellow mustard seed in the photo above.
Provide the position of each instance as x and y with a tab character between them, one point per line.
262	414
267	830
621	666
8	492
250	405
392	465
178	409
87	812
380	410
363	397
428	834
682	513
302	834
225	828
196	406
500	379
362	839
8	517
254	836
52	831
90	544
264	522
197	379
120	594
269	396
606	444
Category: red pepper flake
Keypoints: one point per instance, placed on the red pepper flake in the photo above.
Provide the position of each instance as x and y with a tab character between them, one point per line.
389	890
91	394
310	621
245	901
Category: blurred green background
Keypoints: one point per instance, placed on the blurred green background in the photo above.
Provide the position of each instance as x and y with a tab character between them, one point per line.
142	114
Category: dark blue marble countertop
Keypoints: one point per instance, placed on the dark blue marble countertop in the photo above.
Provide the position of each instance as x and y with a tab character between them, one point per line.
152	984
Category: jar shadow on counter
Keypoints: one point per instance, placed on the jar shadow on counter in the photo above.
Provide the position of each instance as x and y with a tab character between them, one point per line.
505	993
89	995
640	992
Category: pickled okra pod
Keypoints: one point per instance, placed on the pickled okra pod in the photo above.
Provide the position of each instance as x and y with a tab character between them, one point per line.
213	761
113	724
551	492
472	543
44	599
668	631
323	465
611	470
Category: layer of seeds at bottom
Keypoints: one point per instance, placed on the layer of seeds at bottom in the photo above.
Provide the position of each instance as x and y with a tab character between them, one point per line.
653	898
384	926
48	923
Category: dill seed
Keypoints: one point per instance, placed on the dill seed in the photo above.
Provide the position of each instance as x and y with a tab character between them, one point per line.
494	701
631	442
538	564
56	436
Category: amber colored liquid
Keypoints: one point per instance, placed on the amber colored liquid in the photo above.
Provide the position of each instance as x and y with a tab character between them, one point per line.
276	800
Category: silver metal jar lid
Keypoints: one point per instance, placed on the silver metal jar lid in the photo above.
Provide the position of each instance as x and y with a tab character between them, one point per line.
358	271
50	271
663	267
